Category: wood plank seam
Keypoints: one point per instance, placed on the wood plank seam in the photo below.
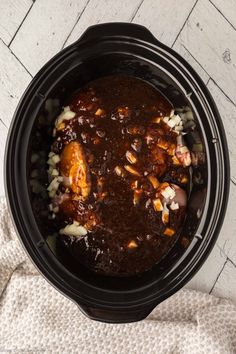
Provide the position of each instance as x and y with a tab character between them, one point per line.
17	58
98	11
210	78
33	2
222	91
232	262
3	123
63	45
222	249
213	44
184	23
3	42
135	12
233	182
196	60
228	260
224	253
222	14
222	269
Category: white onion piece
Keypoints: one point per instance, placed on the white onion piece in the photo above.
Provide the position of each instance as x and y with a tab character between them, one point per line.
172	112
183	149
171	123
53	185
65	115
34	158
189	115
53	160
174	206
52	193
74	229
166	119
55	172
165	214
168	193
179	128
56	158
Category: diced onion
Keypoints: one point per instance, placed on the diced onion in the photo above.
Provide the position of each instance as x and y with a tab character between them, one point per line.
165	214
179	128
56	158
34	158
74	229
53	185
171	123
60	179
52	193
168	192
166	119
55	172
183	149
189	115
172	112
65	115
174	206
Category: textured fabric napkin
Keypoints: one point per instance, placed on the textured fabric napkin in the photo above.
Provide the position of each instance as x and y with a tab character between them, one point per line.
35	318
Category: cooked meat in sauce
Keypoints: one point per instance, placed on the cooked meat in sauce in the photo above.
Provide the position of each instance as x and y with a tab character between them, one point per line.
123	167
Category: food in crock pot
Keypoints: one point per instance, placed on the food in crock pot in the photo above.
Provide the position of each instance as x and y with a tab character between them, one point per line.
119	175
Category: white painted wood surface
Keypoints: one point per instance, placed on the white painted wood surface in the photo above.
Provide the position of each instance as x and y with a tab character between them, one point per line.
226	283
227	111
13	80
3	136
202	31
12	13
205	280
227	238
211	40
180	48
98	11
45	30
164	18
228	9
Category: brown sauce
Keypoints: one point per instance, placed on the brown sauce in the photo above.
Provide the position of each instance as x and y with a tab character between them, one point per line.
128	154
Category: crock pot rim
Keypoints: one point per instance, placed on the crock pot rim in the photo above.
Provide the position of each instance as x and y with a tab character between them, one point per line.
67	51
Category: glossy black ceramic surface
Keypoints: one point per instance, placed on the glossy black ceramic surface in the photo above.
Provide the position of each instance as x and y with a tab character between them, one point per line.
104	50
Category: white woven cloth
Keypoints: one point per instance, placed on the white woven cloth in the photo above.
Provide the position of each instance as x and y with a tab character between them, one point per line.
35	318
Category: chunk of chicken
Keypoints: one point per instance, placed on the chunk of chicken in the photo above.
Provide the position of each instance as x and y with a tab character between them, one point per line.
75	170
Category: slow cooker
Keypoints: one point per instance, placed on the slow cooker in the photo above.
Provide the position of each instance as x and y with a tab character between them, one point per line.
102	50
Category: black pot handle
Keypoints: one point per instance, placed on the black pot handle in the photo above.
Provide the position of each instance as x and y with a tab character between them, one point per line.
116	315
118	29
